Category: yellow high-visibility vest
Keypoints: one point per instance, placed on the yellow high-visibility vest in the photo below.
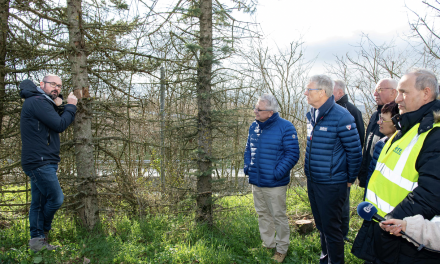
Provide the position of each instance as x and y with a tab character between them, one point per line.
395	175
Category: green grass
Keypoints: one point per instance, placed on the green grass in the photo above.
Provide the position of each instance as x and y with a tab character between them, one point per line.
172	239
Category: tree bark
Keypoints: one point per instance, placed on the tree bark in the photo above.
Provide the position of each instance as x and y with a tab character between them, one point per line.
204	75
4	28
85	168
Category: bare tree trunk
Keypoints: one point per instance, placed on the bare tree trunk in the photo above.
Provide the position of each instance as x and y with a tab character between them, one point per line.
88	212
204	74
4	28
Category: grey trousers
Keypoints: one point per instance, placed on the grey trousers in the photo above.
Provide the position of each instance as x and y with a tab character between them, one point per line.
270	204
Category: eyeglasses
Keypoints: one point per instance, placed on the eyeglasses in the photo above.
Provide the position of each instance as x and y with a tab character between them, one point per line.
381	121
310	89
379	90
54	84
259	110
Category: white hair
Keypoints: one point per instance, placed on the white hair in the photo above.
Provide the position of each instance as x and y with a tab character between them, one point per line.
271	102
339	84
393	83
323	82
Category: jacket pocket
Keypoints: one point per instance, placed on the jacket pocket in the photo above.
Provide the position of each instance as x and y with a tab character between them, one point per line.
276	174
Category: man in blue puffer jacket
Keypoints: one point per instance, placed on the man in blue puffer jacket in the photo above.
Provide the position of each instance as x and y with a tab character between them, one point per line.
271	152
333	159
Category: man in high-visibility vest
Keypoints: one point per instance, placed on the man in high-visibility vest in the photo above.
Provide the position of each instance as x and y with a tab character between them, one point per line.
406	180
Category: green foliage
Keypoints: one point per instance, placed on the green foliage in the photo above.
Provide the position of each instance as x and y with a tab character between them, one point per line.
173	239
120	4
193	47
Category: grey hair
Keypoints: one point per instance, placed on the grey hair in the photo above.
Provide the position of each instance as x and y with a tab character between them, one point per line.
425	78
271	102
49	75
340	84
391	81
323	82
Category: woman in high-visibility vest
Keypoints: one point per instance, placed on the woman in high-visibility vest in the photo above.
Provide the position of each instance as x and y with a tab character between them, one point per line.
387	128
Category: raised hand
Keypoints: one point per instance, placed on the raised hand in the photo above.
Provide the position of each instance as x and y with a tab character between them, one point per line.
71	99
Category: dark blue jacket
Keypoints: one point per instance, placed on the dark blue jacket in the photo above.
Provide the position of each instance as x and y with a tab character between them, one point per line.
377	149
373	135
271	152
40	124
333	153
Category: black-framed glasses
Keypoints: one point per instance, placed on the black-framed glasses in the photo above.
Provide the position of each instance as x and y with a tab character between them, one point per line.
381	121
259	110
379	90
54	84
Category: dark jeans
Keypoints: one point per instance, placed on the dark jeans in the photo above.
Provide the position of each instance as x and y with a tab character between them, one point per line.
326	201
346	215
47	198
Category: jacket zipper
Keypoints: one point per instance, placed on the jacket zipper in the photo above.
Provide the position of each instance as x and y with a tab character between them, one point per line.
259	145
311	141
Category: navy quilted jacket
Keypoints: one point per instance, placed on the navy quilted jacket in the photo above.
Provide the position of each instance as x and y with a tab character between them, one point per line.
40	125
271	152
377	150
334	152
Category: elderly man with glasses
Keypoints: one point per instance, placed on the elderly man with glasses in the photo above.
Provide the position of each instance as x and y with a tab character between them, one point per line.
384	93
332	161
40	124
271	152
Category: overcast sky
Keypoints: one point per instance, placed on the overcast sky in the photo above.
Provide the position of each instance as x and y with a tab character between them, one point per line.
331	28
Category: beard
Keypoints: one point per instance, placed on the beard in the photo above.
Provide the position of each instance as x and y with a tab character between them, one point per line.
52	94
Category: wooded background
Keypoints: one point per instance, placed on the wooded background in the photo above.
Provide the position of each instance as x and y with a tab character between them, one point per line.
130	152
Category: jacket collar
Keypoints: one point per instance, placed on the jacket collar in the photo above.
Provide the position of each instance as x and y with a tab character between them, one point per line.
424	115
379	108
269	121
343	100
323	109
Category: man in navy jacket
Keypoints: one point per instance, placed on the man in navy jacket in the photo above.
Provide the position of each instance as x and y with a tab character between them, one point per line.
271	152
341	99
40	125
333	159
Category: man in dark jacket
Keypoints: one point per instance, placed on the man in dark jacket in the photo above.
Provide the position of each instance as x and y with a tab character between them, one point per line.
40	126
271	152
408	181
384	93
342	99
333	158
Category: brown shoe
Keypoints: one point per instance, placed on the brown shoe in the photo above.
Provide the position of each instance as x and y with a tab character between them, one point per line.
278	257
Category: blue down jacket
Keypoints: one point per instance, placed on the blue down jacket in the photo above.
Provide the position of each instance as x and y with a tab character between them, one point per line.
333	153
377	150
271	152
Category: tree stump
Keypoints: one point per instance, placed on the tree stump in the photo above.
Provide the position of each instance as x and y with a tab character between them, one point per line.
304	226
